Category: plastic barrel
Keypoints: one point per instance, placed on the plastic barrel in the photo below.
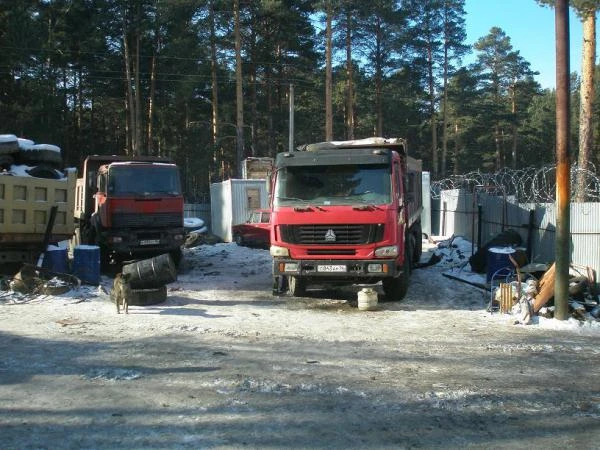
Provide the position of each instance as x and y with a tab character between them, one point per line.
56	259
498	258
86	263
151	273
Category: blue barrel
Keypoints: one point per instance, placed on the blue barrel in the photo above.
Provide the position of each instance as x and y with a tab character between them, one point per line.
56	259
498	262
86	263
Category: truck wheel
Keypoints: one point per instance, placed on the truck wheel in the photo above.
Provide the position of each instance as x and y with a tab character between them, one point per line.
296	286
239	240
418	249
279	285
395	288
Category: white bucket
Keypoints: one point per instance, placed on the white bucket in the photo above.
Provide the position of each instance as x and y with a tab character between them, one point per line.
367	299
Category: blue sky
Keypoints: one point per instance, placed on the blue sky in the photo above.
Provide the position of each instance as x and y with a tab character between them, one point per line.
531	31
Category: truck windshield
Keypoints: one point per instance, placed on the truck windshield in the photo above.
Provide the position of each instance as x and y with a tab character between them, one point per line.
333	185
144	180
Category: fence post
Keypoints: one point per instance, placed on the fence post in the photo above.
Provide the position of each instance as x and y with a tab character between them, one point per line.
530	235
444	205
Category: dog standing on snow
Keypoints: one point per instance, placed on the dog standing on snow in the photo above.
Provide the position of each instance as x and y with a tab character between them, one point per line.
121	292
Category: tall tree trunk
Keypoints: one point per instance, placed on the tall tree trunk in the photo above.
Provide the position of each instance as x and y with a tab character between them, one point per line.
432	114
586	131
349	78
270	108
378	81
253	86
129	104
514	127
214	82
445	114
328	75
238	91
138	97
457	145
150	126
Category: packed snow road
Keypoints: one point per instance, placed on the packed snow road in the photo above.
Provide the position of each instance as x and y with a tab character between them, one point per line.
224	364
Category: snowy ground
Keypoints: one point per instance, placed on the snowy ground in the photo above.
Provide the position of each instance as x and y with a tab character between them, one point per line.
224	364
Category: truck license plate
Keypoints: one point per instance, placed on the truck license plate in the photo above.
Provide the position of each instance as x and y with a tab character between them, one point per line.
149	241
331	268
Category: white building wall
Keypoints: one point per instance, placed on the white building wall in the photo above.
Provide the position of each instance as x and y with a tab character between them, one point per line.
229	201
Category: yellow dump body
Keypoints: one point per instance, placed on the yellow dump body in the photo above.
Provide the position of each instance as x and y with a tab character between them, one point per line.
25	204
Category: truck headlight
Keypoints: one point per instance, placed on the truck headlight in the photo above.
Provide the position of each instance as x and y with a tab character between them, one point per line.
391	251
275	250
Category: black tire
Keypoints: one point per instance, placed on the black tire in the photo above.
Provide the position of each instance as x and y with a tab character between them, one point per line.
396	288
239	240
145	297
45	171
9	144
176	256
6	161
296	286
418	246
40	156
279	285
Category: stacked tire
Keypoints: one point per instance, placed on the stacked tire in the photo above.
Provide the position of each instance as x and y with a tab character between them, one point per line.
42	160
148	279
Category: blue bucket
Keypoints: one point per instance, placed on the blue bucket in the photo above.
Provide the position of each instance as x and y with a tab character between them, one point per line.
86	263
498	262
56	259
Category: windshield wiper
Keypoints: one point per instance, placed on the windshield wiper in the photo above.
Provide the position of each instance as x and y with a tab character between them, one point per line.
289	199
369	207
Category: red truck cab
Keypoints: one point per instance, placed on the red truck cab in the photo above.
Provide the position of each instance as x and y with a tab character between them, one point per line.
346	212
130	207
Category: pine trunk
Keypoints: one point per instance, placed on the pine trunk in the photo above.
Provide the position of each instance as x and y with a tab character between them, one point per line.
586	135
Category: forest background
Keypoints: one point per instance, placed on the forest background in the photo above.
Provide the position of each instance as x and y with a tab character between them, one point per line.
208	83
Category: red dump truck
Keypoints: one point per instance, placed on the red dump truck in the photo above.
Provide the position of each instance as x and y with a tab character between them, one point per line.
346	212
129	207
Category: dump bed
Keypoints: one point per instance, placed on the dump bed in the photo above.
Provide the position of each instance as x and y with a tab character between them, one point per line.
25	205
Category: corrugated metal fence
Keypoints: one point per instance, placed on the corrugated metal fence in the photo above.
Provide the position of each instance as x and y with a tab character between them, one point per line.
479	217
201	210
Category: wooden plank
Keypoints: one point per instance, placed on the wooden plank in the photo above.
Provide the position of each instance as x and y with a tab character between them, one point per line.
545	289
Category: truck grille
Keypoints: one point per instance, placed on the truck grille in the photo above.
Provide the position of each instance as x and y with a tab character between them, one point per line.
159	220
332	234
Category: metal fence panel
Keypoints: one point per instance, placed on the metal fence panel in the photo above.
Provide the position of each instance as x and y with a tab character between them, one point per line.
458	215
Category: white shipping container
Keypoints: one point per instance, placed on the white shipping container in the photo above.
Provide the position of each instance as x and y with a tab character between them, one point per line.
232	201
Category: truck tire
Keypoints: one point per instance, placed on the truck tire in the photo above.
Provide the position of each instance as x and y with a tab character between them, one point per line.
145	297
9	144
296	286
41	154
395	288
6	161
279	285
239	240
418	248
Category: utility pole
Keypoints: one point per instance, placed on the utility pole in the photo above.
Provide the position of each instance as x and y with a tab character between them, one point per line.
291	139
563	182
239	146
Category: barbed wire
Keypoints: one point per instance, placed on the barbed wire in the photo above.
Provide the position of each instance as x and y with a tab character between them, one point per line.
526	185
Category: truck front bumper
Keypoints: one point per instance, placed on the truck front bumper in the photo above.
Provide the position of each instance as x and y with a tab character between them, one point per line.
147	241
336	269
